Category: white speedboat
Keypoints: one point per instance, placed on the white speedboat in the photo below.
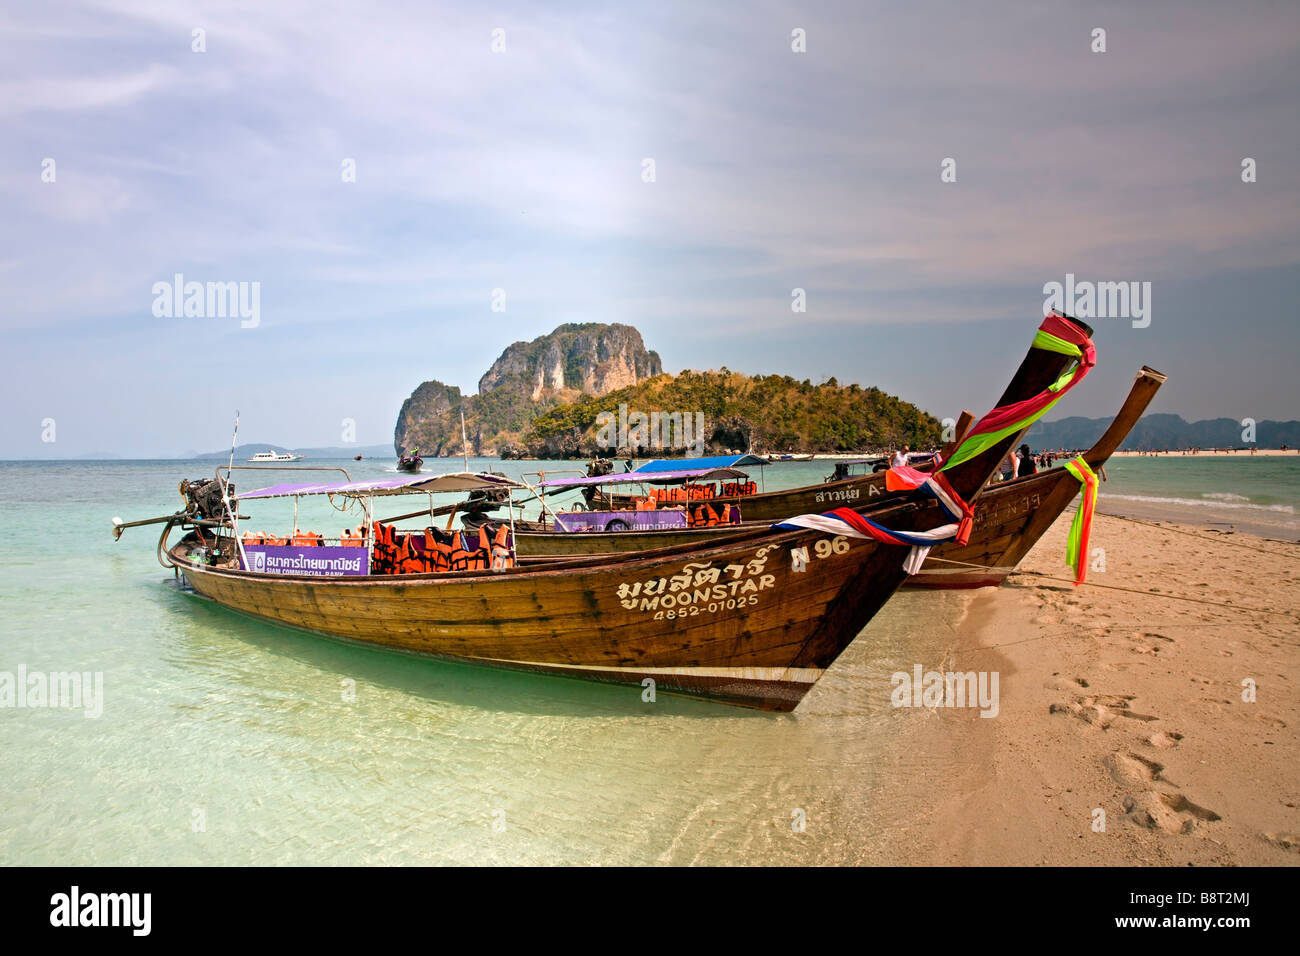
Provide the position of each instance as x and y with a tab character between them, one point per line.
265	456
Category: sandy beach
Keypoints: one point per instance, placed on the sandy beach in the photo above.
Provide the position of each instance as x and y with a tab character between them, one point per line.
1134	704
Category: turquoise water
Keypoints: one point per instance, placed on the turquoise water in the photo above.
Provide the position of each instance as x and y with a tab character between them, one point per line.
227	741
1256	494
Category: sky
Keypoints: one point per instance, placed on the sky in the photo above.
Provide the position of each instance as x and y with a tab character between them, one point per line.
379	170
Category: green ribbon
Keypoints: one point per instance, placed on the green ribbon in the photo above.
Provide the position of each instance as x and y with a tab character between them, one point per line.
1075	544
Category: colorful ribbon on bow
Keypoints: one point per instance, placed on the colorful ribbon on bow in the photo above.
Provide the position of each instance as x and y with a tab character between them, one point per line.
846	521
1056	334
936	485
1076	545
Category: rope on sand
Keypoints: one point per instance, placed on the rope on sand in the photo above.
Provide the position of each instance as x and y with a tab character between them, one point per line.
1118	587
1162	594
1193	534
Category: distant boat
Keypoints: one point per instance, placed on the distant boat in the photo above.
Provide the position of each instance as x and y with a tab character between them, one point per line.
263	456
411	462
356	457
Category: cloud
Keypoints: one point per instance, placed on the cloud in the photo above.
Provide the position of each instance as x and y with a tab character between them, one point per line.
522	169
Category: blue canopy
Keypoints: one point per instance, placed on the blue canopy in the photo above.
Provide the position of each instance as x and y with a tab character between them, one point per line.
683	464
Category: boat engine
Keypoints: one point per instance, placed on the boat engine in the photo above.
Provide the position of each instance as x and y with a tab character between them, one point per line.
203	498
487	499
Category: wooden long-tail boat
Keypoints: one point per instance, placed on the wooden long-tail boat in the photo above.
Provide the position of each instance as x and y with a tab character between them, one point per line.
410	462
771	506
1011	517
754	620
545	540
767	506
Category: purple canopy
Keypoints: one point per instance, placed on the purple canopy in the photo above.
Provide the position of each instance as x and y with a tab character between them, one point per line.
644	478
406	485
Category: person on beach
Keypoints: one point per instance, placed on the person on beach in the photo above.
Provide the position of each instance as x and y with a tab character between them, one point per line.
1009	466
1026	462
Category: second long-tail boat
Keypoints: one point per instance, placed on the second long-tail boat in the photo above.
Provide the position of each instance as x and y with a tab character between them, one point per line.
754	620
1012	516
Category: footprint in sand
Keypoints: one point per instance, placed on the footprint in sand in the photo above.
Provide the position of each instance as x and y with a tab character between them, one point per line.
1131	770
1146	641
1270	721
1283	841
1100	710
1164	739
1065	683
1166	812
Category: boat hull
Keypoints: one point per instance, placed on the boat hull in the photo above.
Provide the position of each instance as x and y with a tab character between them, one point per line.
742	622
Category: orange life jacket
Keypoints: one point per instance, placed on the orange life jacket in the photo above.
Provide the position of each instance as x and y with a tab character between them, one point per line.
413	560
352	539
438	553
384	553
254	537
483	555
502	557
459	558
704	516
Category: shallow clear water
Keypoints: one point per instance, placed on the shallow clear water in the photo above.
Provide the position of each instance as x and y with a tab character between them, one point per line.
216	718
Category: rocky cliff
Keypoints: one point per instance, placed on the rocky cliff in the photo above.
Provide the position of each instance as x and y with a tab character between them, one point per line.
529	378
590	358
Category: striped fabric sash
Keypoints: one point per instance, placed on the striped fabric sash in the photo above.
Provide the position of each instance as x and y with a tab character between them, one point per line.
1076	546
1055	335
848	522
